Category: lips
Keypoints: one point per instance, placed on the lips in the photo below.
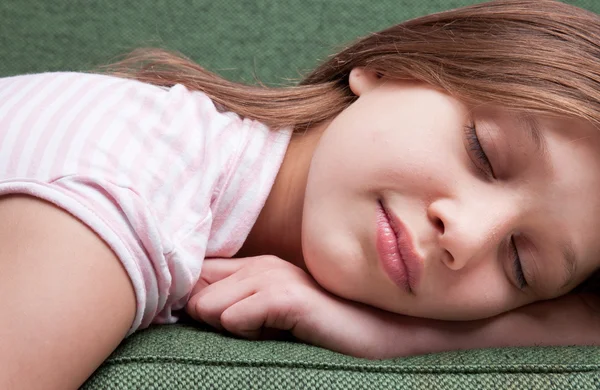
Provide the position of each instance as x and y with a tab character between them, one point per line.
396	251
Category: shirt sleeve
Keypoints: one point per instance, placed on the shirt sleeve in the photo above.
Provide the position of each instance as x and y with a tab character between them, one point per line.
160	174
124	221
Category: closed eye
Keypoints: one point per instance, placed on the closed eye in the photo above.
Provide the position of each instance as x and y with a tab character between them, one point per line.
517	266
482	162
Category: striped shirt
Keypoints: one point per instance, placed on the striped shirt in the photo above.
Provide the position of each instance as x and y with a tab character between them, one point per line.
162	176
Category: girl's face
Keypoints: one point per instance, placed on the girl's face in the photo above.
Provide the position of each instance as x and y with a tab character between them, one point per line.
403	211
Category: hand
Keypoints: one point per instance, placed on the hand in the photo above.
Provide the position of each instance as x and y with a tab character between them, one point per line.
244	296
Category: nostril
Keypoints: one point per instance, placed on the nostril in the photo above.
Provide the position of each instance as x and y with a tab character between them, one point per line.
439	224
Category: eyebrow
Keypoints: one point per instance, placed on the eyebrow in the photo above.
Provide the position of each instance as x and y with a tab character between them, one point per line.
532	127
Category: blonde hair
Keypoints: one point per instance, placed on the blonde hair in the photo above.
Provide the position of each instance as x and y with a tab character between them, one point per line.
539	56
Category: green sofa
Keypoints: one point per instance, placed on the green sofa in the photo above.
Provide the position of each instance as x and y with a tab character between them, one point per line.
274	42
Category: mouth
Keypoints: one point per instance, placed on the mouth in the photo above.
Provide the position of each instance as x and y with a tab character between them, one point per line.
396	252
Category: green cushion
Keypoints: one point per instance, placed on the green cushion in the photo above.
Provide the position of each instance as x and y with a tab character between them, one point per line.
186	357
275	42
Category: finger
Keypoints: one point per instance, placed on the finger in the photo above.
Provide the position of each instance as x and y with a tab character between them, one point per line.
208	305
200	285
249	316
246	318
214	270
217	269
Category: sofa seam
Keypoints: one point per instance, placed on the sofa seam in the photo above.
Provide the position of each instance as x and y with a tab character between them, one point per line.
440	369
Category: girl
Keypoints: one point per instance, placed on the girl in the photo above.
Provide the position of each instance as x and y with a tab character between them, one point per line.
442	169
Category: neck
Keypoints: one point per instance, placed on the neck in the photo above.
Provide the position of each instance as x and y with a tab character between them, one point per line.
278	229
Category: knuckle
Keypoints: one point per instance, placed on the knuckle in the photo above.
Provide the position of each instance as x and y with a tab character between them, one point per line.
238	325
270	260
205	308
230	321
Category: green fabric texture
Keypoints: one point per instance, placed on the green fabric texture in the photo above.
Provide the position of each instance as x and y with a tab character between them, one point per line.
187	357
243	40
276	43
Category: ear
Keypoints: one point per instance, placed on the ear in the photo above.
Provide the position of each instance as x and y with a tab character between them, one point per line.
362	80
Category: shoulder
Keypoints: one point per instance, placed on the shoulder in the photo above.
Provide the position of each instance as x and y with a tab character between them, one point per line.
62	83
68	75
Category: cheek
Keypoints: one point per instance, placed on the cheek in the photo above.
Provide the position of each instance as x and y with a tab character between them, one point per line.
419	157
403	149
476	295
421	168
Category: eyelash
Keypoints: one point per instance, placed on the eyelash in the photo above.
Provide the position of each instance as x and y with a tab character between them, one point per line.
476	148
517	266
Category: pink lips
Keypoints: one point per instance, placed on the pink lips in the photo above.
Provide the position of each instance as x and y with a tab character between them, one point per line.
396	251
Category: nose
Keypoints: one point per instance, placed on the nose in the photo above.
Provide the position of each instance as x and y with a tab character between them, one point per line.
468	231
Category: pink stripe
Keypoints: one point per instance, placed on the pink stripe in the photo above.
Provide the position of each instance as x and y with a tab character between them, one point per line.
120	143
225	135
19	84
74	126
52	127
196	117
9	85
195	171
201	163
247	182
205	154
17	147
16	85
153	138
87	152
25	130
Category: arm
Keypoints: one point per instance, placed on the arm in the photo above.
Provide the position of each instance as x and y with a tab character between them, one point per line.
568	320
66	301
245	295
573	319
